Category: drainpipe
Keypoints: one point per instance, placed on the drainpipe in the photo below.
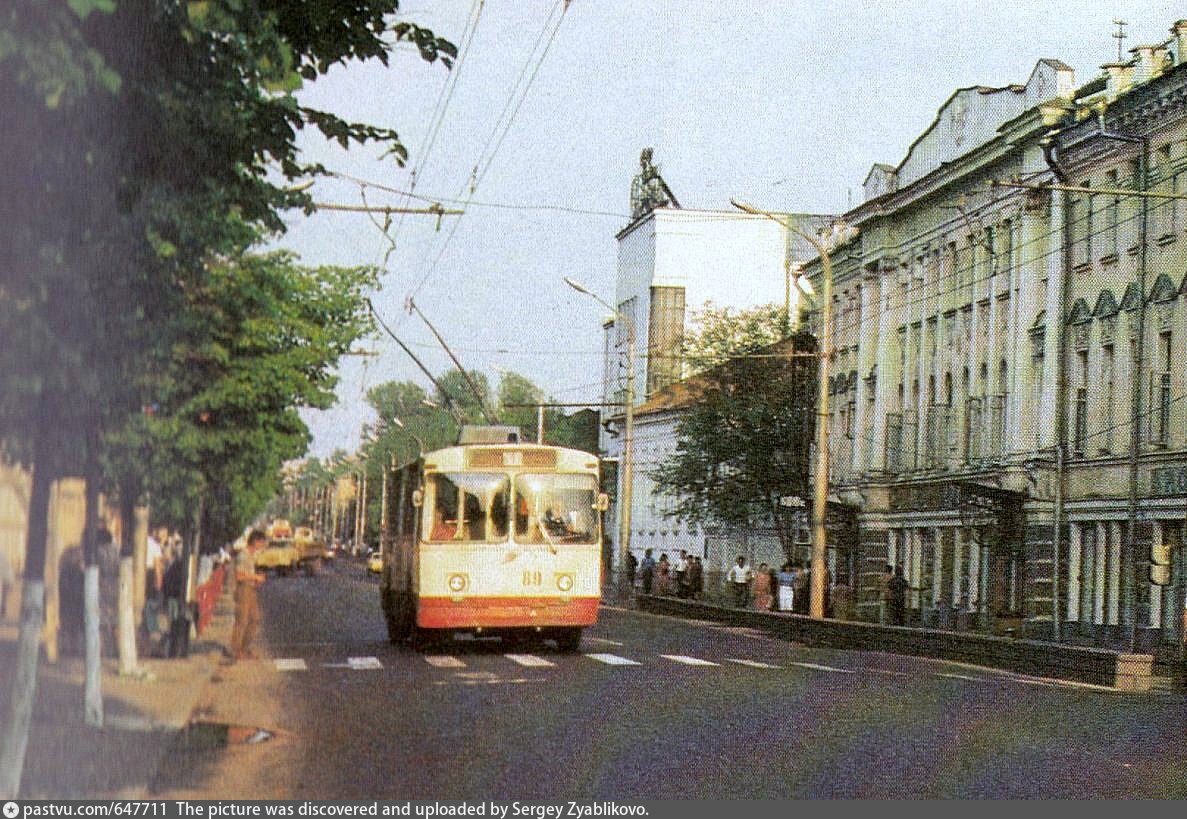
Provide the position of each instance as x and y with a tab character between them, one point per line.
1129	559
1050	152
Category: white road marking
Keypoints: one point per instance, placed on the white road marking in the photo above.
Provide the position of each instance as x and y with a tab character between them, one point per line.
817	667
529	660
603	641
444	661
291	665
750	663
961	677
888	671
611	659
363	663
686	660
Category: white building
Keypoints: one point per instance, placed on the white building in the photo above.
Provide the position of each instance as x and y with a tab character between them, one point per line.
671	261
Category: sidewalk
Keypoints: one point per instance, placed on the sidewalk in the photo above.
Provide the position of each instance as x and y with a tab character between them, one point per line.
68	759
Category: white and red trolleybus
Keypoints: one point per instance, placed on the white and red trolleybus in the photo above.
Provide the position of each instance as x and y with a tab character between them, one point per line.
494	538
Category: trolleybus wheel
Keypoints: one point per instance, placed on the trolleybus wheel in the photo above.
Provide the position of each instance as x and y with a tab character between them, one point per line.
568	640
422	639
397	615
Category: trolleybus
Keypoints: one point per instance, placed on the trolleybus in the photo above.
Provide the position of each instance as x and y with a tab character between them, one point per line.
493	538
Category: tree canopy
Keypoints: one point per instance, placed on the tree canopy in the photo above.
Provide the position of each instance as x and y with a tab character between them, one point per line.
744	432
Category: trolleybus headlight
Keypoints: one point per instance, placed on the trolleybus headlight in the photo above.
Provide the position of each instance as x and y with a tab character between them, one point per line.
457	583
564	582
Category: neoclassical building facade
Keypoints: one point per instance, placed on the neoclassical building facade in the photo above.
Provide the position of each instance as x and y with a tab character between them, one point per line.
1007	395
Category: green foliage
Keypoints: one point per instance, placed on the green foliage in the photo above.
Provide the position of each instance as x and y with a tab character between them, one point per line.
150	144
743	440
717	334
263	336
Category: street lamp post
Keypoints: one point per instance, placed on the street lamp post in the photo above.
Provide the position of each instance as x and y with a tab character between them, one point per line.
419	443
628	443
820	495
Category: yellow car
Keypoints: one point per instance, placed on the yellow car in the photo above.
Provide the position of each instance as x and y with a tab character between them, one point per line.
375	563
280	555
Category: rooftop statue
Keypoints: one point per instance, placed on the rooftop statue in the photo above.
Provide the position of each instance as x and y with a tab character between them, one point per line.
648	189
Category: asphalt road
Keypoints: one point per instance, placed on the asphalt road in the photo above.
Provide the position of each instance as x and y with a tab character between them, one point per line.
653	708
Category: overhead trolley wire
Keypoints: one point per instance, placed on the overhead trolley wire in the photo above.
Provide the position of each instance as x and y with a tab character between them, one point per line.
480	169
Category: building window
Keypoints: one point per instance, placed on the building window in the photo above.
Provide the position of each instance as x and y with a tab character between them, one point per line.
1160	388
1080	417
1108	382
1168	210
1007	255
1082	225
1111	244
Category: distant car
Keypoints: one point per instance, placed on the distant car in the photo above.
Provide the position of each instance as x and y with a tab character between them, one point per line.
375	563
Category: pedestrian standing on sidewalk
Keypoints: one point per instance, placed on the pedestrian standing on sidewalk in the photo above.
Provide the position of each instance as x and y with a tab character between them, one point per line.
663	575
696	577
762	588
632	568
154	579
247	607
739	578
647	571
786	586
682	574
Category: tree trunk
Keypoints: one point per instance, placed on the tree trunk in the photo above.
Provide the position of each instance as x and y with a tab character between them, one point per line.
126	608
92	690
24	688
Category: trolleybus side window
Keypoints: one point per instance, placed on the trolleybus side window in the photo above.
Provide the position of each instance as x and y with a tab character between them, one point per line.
466	507
556	508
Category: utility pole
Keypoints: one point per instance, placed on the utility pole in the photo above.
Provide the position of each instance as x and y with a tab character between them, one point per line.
824	352
626	468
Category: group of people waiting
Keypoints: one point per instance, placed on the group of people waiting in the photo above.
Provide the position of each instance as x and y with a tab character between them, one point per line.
685	578
765	589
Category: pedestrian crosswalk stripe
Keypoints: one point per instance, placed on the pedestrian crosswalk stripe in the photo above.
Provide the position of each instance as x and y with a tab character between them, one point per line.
750	663
825	668
611	659
363	663
529	660
444	661
291	665
685	659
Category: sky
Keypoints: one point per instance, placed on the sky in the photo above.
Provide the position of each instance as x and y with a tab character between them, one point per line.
782	103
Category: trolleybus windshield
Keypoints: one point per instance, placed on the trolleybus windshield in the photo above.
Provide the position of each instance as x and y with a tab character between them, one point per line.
467	507
556	508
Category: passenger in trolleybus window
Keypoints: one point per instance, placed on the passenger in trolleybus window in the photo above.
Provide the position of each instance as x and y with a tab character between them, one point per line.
442	529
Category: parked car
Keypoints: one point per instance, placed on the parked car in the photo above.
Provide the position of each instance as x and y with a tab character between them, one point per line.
375	562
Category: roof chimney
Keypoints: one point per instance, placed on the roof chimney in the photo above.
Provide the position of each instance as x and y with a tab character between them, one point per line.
1120	79
1179	32
1149	62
